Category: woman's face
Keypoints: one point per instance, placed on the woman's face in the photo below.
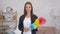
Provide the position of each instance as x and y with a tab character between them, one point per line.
28	8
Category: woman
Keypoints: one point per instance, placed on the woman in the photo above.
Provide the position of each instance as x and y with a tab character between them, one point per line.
27	19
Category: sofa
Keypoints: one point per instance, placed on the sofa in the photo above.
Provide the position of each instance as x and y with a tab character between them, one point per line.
47	30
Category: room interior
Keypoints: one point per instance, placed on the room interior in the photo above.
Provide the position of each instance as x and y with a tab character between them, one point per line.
50	9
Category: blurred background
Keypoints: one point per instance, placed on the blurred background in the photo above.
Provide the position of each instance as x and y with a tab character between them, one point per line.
50	9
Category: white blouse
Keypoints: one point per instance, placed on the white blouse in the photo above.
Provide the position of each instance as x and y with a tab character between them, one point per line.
27	23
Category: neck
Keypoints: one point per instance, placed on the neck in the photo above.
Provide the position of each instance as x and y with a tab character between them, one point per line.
28	15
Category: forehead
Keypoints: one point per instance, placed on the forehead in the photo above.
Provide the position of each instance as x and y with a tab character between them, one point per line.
28	5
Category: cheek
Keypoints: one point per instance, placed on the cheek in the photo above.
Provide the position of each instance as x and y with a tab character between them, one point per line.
30	9
26	9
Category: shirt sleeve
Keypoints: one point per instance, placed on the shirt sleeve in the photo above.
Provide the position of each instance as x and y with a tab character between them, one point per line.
35	17
20	26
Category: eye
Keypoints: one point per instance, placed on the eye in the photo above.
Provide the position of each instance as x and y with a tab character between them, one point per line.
29	7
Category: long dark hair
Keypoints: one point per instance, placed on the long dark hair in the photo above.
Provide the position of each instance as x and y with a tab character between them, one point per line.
25	12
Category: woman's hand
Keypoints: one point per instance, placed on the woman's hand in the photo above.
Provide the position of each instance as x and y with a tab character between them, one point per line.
26	29
39	28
